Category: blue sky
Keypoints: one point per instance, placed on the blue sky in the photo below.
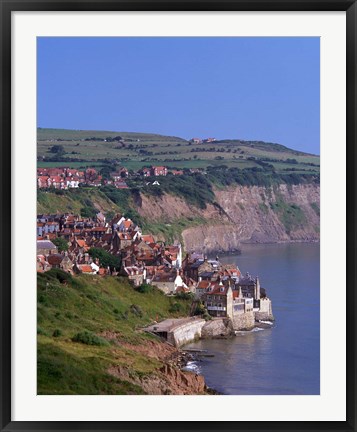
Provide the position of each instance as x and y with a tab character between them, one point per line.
249	88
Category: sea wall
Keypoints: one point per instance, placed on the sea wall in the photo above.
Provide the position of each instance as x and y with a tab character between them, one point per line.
266	312
245	321
263	316
217	327
186	333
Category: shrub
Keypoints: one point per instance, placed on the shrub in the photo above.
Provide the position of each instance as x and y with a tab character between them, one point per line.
184	296
42	299
144	288
89	338
59	275
58	149
57	333
41	331
105	258
316	208
206	316
61	244
88	212
200	309
175	307
136	310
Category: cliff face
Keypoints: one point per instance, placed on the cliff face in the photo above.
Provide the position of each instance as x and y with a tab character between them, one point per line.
168	379
244	215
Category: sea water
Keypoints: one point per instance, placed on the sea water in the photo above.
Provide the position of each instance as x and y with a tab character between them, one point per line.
283	358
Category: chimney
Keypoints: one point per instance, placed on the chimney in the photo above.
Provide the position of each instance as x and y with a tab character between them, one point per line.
257	288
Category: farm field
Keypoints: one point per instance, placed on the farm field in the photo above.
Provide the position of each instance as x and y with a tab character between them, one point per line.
135	150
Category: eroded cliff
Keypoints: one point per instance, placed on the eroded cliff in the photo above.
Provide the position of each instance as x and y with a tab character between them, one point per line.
242	214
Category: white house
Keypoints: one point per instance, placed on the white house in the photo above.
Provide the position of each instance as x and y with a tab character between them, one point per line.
168	282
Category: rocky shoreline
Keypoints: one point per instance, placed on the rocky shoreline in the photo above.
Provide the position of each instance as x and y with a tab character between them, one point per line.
178	373
169	378
190	356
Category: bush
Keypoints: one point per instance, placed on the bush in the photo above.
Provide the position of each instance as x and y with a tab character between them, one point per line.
58	149
89	338
59	192
105	258
41	331
144	288
200	309
136	310
59	275
175	307
206	316
61	244
184	296
88	212
57	333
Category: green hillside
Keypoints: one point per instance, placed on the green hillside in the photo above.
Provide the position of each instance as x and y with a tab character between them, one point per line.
134	150
88	200
105	315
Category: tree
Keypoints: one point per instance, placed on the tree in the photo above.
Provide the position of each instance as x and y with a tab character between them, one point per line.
88	212
59	149
105	171
61	244
105	258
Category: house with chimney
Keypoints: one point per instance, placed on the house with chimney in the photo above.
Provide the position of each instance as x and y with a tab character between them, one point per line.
145	172
168	281
135	274
46	247
218	300
158	171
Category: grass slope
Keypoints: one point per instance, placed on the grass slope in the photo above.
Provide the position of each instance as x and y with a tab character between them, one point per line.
74	201
71	305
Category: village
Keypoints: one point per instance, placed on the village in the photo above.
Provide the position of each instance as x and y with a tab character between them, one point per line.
67	178
220	291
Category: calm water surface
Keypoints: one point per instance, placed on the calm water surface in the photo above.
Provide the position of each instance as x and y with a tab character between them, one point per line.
283	359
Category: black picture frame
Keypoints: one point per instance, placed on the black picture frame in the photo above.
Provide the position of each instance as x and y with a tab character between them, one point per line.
9	6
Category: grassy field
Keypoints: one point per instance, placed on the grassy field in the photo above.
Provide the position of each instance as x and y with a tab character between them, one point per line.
43	164
68	306
135	150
